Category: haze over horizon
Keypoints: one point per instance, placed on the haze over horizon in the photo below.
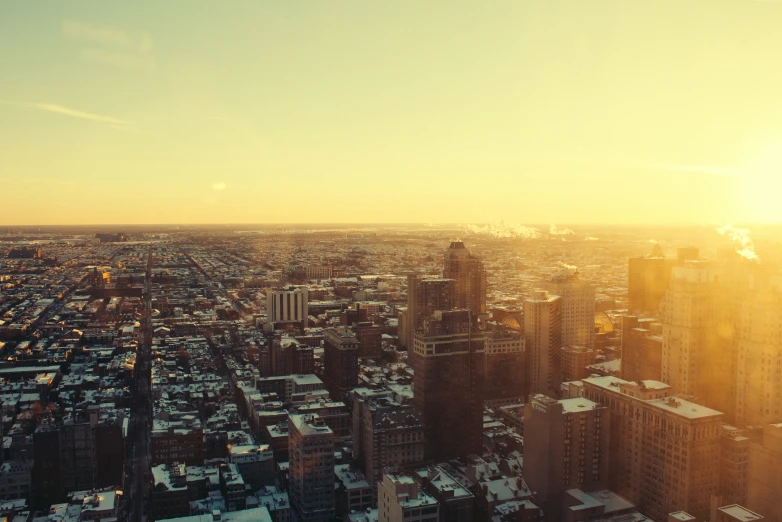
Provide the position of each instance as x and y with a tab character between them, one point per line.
664	112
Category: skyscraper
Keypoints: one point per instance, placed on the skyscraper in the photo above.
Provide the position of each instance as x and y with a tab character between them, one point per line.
311	471
696	360
578	308
504	382
665	451
286	305
543	343
565	447
340	363
469	276
642	349
425	295
448	363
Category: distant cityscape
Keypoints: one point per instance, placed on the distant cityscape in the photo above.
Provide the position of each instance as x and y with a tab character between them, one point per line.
404	373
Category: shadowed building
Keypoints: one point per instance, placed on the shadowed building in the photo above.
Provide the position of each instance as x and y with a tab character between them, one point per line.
448	361
469	276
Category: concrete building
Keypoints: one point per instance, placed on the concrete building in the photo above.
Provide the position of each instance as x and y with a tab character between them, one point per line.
425	295
311	467
448	362
765	472
386	435
578	308
665	453
401	499
457	503
504	366
340	361
566	445
255	463
575	360
469	277
543	343
697	361
642	349
369	337
286	306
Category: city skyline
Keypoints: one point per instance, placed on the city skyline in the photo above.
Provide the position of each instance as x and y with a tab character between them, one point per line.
555	112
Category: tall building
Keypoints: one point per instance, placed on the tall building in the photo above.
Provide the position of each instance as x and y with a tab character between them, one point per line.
696	361
425	295
448	362
504	382
665	451
642	349
401	499
286	306
340	365
469	276
648	278
765	472
578	308
388	435
370	339
758	341
566	446
311	467
543	343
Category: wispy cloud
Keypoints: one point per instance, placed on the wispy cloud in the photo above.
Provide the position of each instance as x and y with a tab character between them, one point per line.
219	186
67	111
714	170
109	121
120	48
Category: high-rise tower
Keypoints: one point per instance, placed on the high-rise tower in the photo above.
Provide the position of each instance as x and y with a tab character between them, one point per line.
469	276
543	343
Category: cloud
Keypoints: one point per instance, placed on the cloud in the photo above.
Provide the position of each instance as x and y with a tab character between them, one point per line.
219	186
111	45
59	109
106	35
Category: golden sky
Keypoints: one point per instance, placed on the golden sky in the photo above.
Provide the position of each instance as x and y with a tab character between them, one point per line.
527	111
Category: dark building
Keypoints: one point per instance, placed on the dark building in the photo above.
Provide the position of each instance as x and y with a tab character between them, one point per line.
178	445
504	366
25	253
369	337
425	295
642	349
566	446
300	359
77	455
386	435
340	361
469	277
648	278
109	454
449	363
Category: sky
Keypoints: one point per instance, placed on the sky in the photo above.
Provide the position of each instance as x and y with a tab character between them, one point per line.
452	111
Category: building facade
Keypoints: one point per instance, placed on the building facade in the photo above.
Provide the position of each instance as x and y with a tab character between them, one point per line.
543	343
311	468
340	363
448	361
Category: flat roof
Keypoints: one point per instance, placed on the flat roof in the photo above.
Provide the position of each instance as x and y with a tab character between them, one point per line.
740	513
684	408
